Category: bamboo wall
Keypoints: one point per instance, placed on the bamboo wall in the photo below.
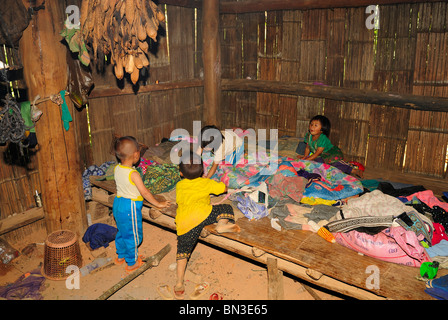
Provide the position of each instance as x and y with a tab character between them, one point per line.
408	54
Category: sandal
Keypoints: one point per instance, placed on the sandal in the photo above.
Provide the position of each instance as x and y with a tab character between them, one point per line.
216	296
119	261
165	292
135	266
179	293
200	290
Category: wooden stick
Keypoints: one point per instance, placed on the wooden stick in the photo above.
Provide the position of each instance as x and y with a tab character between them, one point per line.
150	262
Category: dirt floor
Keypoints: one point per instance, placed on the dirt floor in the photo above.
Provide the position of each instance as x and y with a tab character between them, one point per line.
231	277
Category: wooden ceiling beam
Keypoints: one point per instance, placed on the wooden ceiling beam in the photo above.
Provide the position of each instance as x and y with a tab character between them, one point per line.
247	6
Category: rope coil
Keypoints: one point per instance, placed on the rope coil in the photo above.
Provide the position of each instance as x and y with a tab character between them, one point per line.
12	125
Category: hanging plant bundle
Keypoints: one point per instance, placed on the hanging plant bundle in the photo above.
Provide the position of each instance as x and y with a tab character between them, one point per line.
121	28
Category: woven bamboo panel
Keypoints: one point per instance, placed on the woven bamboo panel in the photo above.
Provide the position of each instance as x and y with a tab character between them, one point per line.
290	61
307	108
231	65
428	137
387	137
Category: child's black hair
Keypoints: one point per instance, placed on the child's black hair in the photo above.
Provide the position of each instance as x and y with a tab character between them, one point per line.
325	123
191	165
208	140
119	147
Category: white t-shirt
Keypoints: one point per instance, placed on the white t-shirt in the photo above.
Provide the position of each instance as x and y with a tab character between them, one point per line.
230	143
125	187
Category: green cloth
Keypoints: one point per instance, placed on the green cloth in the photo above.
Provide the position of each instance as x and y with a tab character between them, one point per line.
371	184
76	44
66	116
330	154
160	178
25	111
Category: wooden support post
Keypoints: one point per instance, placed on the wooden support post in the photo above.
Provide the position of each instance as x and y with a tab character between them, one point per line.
275	280
44	59
212	62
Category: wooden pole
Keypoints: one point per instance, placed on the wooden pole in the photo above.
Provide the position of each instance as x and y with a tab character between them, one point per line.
270	5
212	62
393	99
45	73
248	6
152	261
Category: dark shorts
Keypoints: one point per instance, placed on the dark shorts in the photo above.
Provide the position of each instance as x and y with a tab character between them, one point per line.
187	241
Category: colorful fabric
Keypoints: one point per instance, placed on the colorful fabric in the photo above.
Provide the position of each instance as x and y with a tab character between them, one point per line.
428	197
94	171
439	234
251	209
281	187
394	244
193	202
160	178
143	165
334	184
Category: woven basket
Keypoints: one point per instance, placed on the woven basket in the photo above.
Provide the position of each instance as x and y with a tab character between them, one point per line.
61	250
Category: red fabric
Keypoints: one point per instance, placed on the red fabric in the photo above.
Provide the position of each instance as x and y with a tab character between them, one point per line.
439	234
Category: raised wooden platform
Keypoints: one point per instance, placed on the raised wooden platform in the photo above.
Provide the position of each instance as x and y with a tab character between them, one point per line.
303	254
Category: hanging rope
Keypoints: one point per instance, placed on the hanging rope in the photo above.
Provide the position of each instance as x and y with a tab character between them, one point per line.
12	125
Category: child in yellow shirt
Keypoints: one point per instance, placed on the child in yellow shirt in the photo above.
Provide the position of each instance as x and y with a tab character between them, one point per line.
194	212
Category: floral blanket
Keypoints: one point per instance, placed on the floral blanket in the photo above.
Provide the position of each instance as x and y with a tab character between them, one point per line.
334	184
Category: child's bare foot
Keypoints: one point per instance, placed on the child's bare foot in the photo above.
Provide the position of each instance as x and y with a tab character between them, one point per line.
228	227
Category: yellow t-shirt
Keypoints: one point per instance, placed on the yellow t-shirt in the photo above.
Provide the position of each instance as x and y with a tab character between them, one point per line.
193	202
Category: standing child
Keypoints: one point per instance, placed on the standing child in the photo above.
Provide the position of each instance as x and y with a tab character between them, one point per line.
194	212
320	149
228	146
127	207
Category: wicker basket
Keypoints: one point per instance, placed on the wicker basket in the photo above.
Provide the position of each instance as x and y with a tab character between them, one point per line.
61	250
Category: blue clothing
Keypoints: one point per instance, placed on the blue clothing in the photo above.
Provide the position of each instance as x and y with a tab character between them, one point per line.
99	235
438	288
128	216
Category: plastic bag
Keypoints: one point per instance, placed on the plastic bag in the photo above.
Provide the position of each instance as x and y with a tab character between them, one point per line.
7	252
80	82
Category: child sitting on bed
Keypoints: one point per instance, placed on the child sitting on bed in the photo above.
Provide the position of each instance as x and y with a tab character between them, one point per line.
194	212
226	146
320	149
127	207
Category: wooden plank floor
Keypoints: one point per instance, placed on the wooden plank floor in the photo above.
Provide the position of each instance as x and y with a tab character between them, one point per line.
322	261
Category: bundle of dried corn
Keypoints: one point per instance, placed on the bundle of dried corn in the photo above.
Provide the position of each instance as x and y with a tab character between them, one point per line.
120	28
